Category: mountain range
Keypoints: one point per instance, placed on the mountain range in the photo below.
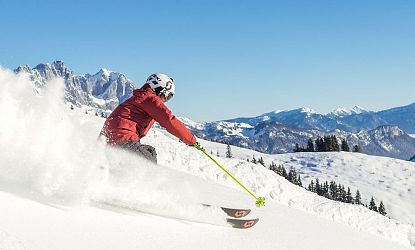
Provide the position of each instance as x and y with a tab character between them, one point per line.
104	90
274	137
351	120
382	133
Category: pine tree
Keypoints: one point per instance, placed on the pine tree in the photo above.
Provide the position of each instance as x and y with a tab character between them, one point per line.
319	145
339	192
357	149
318	187
273	167
372	205
333	190
345	146
358	198
261	161
325	144
349	198
326	190
343	197
310	145
382	209
296	148
292	176
253	159
283	172
228	151
299	183
311	187
334	143
329	144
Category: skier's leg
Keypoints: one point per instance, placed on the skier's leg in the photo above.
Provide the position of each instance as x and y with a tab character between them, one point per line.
143	150
148	152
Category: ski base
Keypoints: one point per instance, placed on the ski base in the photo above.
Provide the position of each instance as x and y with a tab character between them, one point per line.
233	212
242	224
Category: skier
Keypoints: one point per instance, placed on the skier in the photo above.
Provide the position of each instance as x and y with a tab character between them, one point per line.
132	119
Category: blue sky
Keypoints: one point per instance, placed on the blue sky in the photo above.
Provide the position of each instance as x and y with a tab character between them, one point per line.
229	58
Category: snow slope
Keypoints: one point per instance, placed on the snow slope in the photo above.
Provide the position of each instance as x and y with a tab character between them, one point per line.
55	176
387	179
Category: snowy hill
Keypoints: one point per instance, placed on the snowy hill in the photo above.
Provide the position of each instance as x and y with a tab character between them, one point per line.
55	176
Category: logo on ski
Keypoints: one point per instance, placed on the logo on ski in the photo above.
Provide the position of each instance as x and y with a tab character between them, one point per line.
239	214
248	224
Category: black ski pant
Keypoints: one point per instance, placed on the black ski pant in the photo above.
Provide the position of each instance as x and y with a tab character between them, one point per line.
143	150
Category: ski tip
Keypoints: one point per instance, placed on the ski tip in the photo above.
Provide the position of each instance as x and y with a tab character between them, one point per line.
242	224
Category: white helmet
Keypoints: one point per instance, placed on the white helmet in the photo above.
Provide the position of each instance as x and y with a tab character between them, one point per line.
162	85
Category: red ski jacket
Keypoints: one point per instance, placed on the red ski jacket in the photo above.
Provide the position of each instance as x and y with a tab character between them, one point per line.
132	119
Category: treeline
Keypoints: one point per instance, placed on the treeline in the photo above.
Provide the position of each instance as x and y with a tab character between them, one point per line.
332	190
337	192
292	175
326	144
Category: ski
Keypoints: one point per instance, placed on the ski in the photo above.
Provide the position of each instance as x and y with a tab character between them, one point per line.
233	212
242	223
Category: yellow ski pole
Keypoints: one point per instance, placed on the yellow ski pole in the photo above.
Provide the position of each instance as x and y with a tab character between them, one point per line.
260	201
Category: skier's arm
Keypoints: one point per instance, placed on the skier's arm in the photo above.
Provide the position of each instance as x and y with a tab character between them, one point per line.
159	112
